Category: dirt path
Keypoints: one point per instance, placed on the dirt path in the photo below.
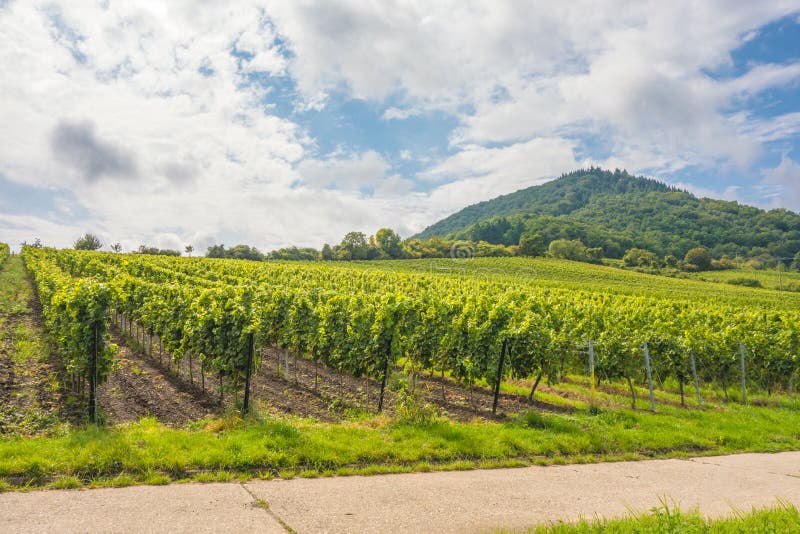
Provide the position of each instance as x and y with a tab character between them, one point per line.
141	387
464	501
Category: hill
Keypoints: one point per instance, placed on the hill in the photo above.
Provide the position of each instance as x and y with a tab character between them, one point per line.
617	211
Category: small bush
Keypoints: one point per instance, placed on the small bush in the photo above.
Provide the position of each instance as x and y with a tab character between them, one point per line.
411	411
742	281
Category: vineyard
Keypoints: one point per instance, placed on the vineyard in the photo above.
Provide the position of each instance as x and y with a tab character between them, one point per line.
469	321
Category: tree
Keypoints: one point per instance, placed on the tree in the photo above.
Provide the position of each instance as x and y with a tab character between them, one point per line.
354	246
37	243
566	249
245	252
188	249
389	242
670	261
531	245
327	252
216	251
294	254
116	247
639	257
87	242
155	251
699	257
796	262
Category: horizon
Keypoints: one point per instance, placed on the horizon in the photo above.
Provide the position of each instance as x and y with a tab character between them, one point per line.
289	125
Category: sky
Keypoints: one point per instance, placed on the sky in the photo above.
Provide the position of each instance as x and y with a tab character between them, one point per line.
293	122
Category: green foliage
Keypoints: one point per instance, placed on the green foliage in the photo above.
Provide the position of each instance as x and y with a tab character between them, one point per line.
294	254
154	251
409	410
747	282
617	212
670	520
239	252
76	313
361	319
388	242
353	247
4	253
531	245
144	449
699	258
88	242
565	249
638	257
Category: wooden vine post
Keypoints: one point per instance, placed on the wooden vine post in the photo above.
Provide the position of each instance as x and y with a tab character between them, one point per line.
499	377
383	379
696	381
591	371
247	373
649	378
744	373
93	378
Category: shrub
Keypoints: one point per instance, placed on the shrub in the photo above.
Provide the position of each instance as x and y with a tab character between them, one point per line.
742	281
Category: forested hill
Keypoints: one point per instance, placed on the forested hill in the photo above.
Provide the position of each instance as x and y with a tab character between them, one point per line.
617	211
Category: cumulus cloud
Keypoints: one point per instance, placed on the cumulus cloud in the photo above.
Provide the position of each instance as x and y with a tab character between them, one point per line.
77	144
161	119
354	172
477	172
784	179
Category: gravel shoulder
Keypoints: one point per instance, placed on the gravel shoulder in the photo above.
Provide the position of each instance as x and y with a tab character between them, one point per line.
464	501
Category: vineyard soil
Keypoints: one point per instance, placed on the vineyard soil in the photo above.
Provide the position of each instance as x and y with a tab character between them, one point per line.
140	387
32	399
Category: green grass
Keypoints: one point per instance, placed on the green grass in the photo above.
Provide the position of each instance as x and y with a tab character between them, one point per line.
14	292
25	346
147	452
783	518
768	278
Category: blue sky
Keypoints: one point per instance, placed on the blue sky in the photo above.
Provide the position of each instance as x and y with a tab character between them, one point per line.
280	123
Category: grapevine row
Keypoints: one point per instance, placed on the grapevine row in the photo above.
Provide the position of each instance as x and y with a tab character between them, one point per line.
76	314
363	321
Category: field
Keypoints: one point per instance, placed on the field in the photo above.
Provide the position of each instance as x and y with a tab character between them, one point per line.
376	367
768	279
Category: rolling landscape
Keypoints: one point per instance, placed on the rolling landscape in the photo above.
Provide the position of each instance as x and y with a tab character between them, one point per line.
384	366
449	308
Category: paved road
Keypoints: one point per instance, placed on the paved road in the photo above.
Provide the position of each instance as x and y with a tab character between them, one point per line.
465	501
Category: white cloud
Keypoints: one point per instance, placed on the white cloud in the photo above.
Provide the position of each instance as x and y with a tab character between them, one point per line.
399	114
140	110
784	179
354	172
478	173
635	72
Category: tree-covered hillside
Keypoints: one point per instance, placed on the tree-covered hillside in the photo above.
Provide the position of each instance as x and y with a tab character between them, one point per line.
617	211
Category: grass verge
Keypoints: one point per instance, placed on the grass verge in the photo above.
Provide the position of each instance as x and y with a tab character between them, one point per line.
148	452
783	518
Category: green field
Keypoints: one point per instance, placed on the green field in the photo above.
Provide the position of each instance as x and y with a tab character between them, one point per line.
563	274
769	279
565	426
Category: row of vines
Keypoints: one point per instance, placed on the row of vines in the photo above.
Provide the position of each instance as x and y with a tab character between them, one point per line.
76	314
364	321
4	253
